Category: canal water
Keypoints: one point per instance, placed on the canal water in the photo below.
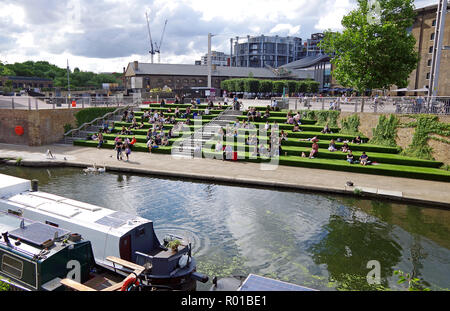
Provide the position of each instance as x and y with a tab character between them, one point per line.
319	241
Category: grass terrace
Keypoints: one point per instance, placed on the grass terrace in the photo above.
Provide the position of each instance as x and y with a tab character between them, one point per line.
386	160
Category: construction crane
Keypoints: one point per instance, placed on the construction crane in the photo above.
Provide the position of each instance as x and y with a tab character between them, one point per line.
152	51
158	47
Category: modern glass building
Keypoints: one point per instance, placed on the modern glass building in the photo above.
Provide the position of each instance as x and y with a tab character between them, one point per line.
262	51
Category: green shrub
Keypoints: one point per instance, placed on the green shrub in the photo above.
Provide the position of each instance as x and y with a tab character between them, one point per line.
89	114
67	127
350	125
425	125
385	133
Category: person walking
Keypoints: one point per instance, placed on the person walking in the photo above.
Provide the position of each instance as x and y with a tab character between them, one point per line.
119	146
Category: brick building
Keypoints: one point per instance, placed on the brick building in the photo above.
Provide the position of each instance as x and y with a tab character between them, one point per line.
182	76
26	82
424	31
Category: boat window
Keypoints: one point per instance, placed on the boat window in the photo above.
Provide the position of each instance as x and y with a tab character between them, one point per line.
12	266
140	231
51	224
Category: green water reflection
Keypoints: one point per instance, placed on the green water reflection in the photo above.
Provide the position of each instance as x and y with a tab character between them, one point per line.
320	241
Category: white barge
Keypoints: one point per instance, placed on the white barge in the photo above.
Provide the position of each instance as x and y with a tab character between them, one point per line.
111	233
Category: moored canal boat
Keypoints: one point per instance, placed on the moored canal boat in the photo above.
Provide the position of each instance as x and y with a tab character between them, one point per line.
39	257
112	233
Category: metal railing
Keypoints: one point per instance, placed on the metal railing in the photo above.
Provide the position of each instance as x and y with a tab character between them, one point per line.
381	104
39	103
84	128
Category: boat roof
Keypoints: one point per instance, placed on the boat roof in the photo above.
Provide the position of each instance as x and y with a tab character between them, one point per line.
84	214
11	185
33	237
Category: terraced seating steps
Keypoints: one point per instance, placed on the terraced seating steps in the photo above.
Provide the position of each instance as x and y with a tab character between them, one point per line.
390	163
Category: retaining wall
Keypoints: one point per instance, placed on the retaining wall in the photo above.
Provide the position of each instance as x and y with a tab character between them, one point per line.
41	127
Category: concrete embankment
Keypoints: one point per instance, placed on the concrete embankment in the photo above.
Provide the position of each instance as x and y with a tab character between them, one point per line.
430	193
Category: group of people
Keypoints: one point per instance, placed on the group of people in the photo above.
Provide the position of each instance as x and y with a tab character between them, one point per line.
363	160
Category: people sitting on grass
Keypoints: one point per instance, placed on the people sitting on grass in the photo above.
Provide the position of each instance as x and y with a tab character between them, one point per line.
314	139
314	150
252	140
345	147
267	126
228	153
332	146
165	141
364	159
290	120
326	130
273	105
283	135
177	112
357	140
151	144
303	155
297	118
350	157
146	116
219	146
251	114
296	128
263	151
266	114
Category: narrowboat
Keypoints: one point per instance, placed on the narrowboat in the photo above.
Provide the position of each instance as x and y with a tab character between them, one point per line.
39	257
111	233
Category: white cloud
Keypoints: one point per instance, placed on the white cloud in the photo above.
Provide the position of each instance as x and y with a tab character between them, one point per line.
105	35
286	29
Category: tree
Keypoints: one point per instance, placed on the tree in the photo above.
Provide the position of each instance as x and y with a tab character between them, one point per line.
265	86
374	54
291	85
251	85
278	86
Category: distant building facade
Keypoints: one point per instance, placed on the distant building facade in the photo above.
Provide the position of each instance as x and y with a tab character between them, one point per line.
312	45
262	51
145	76
217	58
26	82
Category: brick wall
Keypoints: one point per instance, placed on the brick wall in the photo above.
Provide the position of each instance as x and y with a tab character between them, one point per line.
40	127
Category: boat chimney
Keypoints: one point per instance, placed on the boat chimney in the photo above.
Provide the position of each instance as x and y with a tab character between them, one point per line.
34	185
136	65
5	237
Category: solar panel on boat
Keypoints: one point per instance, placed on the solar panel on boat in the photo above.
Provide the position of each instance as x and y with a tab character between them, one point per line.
110	222
260	283
37	233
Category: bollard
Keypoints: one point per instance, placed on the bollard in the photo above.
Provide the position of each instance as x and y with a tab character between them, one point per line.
12	102
323	103
296	104
34	185
36	103
29	103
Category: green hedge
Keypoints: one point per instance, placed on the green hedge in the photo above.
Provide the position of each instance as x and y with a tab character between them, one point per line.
88	114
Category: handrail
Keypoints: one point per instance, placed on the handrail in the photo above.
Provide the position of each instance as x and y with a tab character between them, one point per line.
97	119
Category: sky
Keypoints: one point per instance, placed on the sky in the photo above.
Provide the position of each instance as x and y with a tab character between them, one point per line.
105	35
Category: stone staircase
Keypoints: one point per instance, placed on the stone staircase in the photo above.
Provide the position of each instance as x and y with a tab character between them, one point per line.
187	148
92	127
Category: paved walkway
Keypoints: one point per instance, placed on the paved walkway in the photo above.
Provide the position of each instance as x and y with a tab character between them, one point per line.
404	189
